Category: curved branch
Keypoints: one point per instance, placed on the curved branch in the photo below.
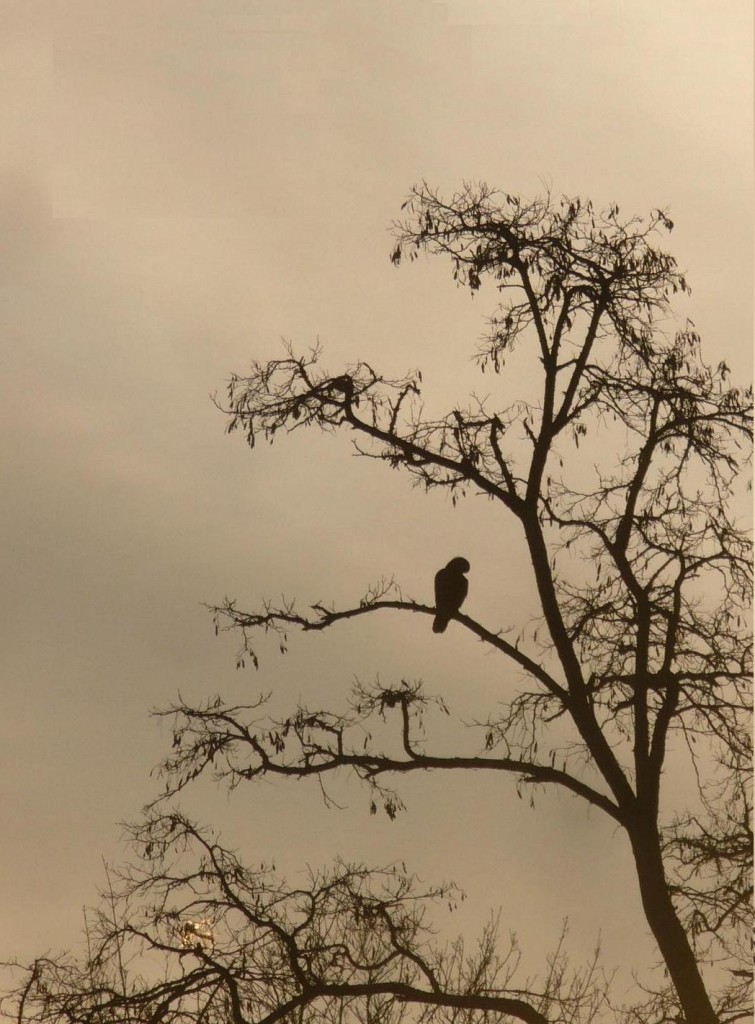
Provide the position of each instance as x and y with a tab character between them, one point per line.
409	994
413	451
220	732
373	765
278	619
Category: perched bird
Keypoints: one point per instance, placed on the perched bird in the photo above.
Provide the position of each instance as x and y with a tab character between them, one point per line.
451	586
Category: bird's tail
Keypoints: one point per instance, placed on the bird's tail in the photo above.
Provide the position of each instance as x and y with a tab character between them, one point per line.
439	624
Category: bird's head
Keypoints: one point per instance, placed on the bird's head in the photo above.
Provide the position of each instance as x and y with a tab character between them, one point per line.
459	565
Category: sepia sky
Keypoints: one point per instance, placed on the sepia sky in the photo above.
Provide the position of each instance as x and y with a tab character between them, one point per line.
184	183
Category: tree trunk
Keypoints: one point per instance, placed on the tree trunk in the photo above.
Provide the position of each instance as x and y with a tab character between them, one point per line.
667	929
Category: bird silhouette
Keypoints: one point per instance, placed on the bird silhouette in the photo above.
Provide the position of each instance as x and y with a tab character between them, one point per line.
451	586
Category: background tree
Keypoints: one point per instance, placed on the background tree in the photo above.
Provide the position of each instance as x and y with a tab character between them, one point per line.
643	577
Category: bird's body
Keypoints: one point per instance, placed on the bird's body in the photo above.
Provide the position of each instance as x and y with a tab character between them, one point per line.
451	586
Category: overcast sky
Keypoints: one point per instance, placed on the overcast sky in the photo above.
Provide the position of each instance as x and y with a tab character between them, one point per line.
185	183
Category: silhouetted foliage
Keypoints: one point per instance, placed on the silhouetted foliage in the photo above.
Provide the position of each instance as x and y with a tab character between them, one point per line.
643	578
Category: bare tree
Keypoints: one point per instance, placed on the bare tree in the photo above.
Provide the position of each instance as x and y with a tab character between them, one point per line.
235	944
643	577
